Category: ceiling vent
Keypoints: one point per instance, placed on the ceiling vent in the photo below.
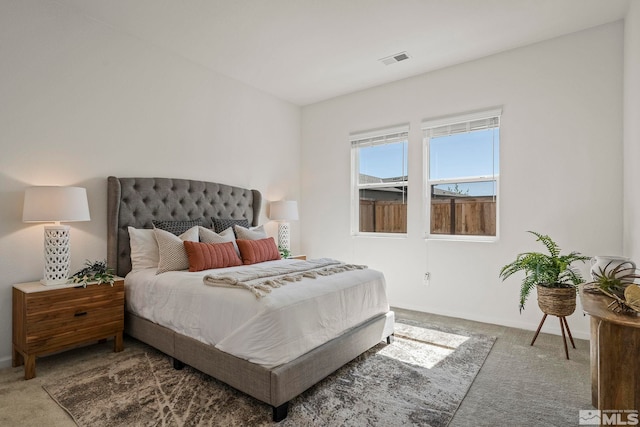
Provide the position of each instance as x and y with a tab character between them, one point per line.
395	58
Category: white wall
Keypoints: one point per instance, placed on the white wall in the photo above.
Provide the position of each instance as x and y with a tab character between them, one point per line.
80	101
632	131
561	157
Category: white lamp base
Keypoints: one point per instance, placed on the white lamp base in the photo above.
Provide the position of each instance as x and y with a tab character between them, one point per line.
56	254
283	235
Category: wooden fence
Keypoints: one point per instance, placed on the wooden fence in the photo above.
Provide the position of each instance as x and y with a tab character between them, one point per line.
383	216
474	216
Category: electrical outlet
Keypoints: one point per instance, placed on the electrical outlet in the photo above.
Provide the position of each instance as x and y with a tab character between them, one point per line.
427	278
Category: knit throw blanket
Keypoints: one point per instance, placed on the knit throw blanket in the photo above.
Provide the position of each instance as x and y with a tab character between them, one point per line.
261	279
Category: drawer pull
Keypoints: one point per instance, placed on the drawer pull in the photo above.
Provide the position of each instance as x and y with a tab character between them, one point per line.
81	313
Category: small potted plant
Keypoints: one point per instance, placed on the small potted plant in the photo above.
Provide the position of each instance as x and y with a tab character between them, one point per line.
613	280
96	271
617	283
284	252
551	273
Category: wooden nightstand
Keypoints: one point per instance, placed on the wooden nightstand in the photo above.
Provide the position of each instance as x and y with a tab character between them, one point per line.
53	318
297	257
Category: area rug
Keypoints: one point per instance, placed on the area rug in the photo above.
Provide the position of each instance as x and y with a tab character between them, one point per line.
420	379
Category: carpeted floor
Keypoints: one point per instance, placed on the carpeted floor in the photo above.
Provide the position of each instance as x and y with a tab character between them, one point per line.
518	385
420	379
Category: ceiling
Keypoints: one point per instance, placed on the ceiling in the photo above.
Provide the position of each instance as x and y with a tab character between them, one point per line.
305	51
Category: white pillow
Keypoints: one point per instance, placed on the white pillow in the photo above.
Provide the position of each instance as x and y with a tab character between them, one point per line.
144	248
173	255
209	236
253	233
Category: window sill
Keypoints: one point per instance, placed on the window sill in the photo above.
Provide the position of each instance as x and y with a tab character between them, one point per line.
458	238
381	235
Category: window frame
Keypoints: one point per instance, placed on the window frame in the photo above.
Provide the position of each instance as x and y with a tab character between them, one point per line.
427	126
357	140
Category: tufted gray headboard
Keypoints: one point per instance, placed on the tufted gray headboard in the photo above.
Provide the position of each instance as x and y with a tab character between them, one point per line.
136	202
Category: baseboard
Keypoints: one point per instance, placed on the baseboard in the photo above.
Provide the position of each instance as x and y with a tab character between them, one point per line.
580	334
5	362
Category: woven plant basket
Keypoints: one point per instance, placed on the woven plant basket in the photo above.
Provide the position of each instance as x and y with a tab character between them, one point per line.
557	301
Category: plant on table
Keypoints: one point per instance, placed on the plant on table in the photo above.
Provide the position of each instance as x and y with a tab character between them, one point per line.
96	271
617	283
284	252
613	281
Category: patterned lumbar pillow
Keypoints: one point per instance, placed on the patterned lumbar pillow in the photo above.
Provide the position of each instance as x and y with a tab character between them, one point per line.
255	251
254	233
209	236
173	255
219	224
205	256
177	227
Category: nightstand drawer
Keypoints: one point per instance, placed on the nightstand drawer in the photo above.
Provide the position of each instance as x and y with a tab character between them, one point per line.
44	342
72	318
73	299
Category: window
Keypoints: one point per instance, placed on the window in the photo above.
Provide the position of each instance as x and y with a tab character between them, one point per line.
379	169
462	175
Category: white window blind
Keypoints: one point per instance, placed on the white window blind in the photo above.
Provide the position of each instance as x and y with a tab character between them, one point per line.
463	123
379	137
455	128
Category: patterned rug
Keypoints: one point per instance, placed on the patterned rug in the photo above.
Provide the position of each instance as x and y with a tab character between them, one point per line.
420	379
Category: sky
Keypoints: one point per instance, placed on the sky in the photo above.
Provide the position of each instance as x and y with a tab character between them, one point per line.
384	161
456	156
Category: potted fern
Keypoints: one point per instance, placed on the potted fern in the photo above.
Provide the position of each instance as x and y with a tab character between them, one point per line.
551	273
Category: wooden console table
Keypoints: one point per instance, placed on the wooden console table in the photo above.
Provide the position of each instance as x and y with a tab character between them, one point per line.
615	355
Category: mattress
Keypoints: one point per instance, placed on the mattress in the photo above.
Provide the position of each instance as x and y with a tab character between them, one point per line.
275	329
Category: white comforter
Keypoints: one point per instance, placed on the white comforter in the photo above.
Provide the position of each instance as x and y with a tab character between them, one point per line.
270	331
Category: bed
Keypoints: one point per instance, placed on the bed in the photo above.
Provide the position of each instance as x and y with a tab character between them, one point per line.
137	202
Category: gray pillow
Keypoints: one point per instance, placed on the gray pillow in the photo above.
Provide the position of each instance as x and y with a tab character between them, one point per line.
210	236
177	227
254	233
220	224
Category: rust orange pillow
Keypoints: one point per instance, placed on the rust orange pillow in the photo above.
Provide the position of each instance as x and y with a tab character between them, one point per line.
204	256
255	251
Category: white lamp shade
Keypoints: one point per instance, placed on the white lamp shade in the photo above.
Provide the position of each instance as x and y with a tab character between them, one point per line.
284	210
55	204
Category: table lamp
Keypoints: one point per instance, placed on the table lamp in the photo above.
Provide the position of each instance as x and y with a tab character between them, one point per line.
284	211
55	204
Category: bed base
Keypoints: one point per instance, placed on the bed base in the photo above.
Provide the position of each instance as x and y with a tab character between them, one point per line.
273	386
